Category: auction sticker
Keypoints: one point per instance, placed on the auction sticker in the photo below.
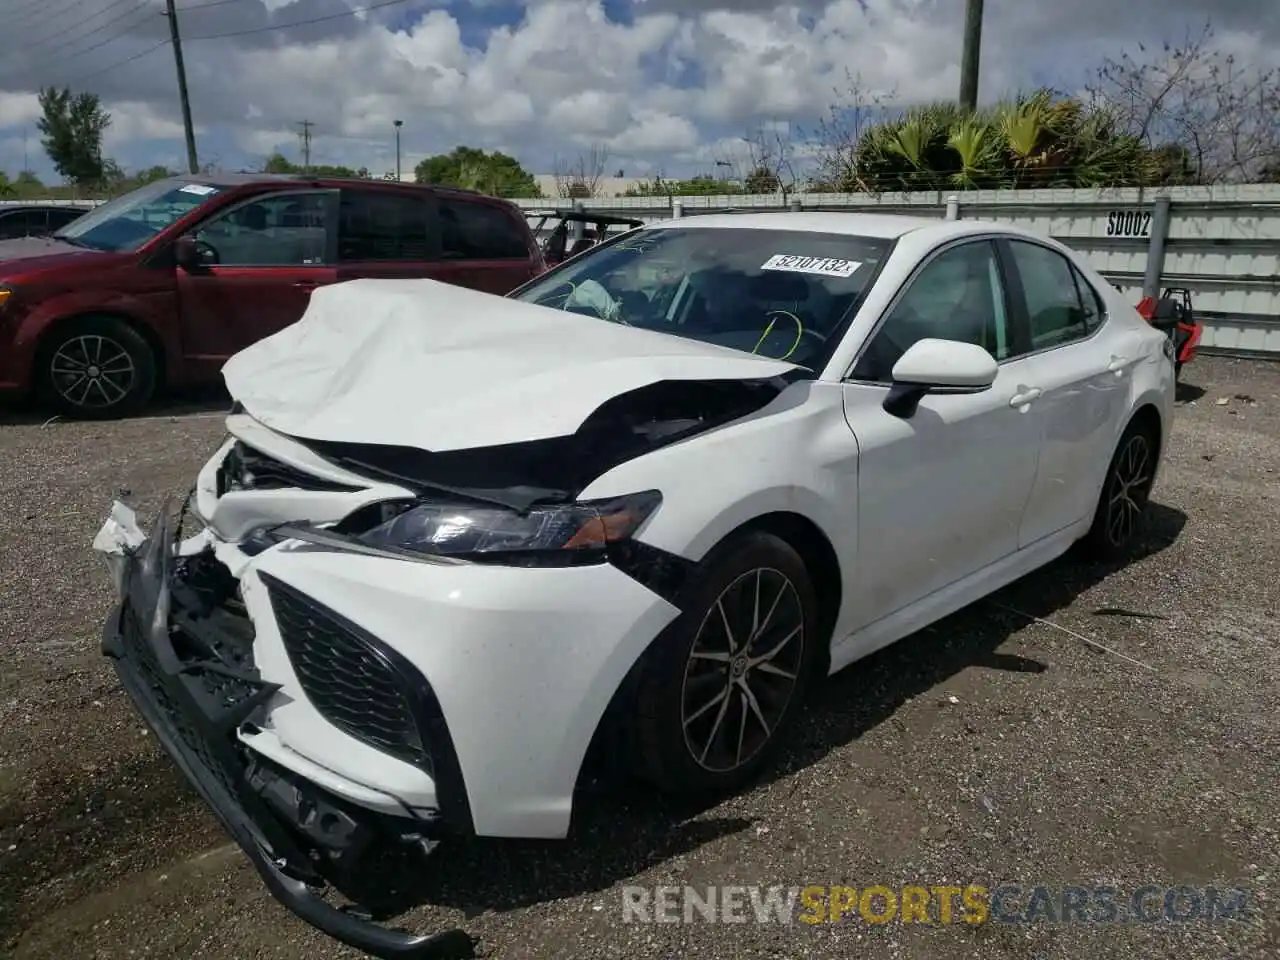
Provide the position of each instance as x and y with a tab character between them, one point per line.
199	189
823	266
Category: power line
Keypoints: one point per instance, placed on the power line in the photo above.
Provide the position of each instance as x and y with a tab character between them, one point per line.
48	15
356	11
119	63
222	36
28	43
28	47
187	8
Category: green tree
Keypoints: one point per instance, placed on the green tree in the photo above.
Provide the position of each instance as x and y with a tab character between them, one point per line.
152	174
699	186
1036	140
762	180
71	128
469	168
6	188
279	163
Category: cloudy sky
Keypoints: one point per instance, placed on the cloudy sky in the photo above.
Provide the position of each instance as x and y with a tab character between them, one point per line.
664	84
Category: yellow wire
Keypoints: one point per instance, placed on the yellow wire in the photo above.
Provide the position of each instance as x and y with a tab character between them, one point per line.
769	329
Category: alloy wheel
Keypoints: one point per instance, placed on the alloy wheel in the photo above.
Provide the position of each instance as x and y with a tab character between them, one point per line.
1129	488
742	669
92	371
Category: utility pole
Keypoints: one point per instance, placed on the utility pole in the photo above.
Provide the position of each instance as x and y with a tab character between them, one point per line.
971	56
398	124
171	12
305	135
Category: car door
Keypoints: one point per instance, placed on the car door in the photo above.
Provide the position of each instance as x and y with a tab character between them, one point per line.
1084	376
483	246
941	492
384	233
263	257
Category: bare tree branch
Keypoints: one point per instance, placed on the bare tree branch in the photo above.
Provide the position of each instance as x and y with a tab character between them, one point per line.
1195	99
770	160
580	178
853	112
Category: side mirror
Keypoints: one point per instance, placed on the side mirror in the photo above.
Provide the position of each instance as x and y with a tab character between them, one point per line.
938	366
187	254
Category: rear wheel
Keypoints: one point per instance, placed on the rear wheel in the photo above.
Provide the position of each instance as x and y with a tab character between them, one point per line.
1120	516
96	368
722	684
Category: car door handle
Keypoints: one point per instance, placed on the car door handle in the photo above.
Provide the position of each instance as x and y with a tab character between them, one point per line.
1024	396
1117	364
306	284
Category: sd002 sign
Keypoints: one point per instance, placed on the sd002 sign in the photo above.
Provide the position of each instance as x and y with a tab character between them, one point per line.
1128	223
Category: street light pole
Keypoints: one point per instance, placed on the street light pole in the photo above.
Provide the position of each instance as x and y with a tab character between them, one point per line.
399	124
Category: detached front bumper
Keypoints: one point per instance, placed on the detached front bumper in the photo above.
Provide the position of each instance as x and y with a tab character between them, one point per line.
189	670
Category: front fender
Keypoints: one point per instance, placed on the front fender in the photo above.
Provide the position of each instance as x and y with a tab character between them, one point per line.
797	455
147	310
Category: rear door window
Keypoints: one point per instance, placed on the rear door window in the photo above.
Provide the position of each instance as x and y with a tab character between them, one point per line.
382	226
479	231
60	218
14	226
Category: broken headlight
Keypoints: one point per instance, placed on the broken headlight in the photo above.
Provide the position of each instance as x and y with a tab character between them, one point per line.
568	531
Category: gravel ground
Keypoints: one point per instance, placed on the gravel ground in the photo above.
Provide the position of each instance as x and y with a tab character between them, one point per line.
991	748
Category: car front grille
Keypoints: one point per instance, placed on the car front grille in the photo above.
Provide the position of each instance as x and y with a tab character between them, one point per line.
354	681
245	468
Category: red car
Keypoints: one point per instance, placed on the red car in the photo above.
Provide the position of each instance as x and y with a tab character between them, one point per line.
159	287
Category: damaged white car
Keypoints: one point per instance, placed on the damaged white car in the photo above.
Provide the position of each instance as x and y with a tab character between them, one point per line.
455	541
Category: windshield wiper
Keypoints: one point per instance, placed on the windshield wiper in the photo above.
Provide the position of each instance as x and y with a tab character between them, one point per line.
74	241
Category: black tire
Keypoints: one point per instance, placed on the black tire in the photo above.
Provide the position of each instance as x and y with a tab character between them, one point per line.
673	681
123	361
1177	370
1119	520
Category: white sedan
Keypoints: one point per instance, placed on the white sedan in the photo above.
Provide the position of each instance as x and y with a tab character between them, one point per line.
456	541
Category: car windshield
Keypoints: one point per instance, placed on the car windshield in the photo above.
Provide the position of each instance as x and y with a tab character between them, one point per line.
127	222
783	294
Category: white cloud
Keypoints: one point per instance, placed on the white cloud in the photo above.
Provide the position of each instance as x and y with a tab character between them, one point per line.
675	84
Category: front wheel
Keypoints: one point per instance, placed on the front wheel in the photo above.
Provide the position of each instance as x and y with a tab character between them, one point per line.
96	368
1120	516
723	683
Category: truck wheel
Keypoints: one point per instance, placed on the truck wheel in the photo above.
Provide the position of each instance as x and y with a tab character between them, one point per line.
96	368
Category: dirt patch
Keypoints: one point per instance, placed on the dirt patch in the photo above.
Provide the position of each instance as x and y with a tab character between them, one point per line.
988	749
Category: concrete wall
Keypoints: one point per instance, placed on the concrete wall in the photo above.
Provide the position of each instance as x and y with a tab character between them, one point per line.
1223	243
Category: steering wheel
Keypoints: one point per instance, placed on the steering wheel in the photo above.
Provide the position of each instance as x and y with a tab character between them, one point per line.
551	299
774	317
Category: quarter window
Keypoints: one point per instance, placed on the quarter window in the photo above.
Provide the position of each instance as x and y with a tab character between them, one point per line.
1091	302
289	229
479	231
1055	312
958	295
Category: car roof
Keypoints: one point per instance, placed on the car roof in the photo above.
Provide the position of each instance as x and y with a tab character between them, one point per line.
881	226
255	179
11	207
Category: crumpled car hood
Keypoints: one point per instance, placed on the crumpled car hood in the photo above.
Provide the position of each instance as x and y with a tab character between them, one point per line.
418	363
